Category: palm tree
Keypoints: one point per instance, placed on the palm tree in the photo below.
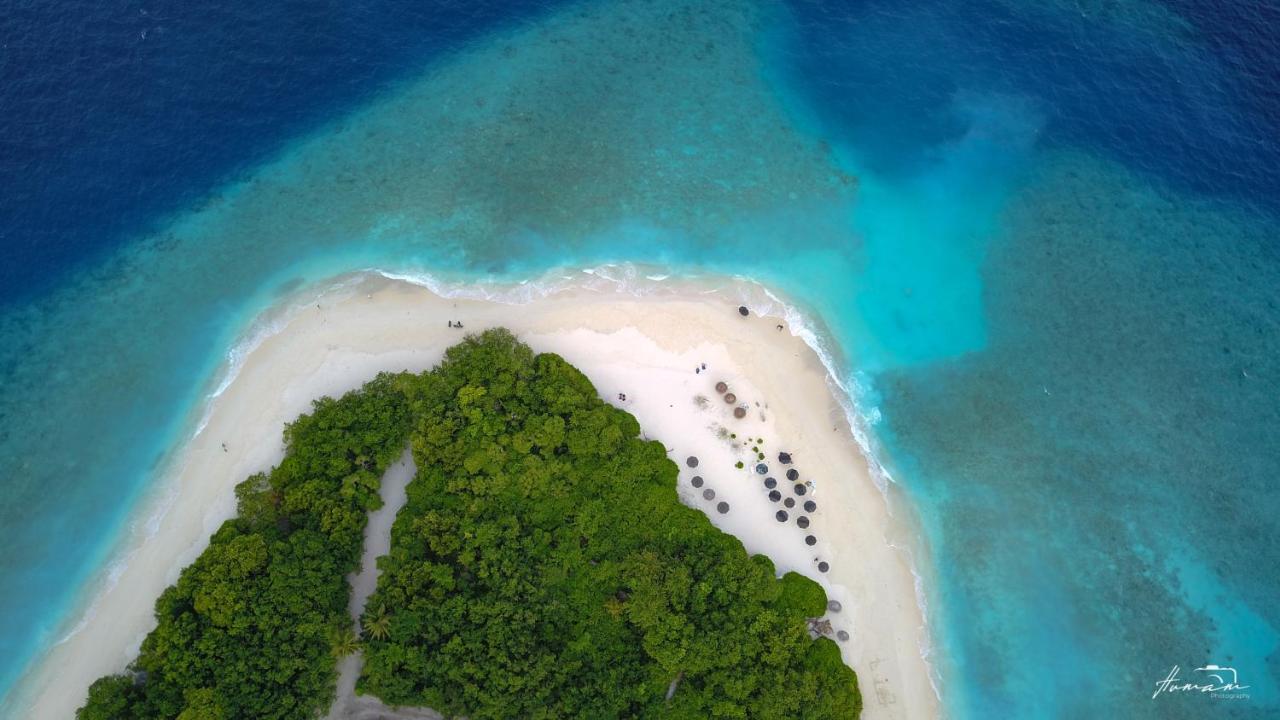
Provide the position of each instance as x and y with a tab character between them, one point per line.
342	642
378	627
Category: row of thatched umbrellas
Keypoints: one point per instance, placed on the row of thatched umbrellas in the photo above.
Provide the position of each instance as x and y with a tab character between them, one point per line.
802	521
770	483
708	494
799	488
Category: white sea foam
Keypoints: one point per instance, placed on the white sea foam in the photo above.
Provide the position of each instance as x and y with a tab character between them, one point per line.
861	417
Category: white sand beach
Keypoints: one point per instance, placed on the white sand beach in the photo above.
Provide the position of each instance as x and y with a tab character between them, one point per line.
649	350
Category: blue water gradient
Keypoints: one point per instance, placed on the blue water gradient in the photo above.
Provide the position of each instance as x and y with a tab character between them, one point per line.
1042	237
117	114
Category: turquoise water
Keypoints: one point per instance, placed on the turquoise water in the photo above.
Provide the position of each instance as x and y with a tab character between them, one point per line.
1038	236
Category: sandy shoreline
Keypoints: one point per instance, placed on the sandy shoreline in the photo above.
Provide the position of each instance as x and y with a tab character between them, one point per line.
646	348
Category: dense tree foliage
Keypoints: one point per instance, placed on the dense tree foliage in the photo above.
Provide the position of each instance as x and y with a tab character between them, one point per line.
543	567
250	627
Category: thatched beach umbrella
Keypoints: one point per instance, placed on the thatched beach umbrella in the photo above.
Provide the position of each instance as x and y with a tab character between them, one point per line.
691	461
810	540
709	494
722	387
696	481
823	566
810	506
784	458
842	636
800	488
723	507
739	412
774	495
793	475
730	398
789	502
802	521
781	515
834	606
770	483
761	469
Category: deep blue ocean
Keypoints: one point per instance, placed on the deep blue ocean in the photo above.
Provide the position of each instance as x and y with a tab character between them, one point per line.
1043	235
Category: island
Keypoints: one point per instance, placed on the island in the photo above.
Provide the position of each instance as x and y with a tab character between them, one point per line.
543	566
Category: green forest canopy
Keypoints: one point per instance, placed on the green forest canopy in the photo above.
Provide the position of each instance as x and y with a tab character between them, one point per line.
248	630
543	567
